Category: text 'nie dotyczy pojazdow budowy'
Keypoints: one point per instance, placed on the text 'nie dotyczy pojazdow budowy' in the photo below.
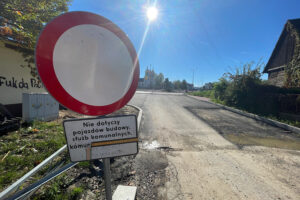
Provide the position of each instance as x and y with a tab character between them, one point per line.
87	131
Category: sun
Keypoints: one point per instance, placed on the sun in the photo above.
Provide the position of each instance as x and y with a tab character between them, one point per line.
152	13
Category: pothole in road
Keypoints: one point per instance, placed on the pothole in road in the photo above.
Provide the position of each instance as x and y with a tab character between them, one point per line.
150	145
168	149
154	145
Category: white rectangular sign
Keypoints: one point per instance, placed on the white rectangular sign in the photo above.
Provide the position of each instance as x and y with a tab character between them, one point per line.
105	137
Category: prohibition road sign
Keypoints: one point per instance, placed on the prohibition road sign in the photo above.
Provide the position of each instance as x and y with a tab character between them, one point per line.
87	63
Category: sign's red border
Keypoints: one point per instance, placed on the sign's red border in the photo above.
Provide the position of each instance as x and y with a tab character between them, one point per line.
44	61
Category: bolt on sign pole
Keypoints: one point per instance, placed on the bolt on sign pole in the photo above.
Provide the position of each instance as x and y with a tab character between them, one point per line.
89	65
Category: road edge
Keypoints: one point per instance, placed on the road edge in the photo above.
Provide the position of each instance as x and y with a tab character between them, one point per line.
253	116
139	117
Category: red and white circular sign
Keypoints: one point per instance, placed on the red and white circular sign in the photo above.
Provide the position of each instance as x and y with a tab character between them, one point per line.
87	63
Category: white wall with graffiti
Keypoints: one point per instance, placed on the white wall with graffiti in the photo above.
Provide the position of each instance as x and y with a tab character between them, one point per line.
14	79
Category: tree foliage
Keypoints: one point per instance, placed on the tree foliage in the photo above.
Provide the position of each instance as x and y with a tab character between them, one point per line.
180	85
159	81
243	82
242	88
168	85
177	84
183	85
220	89
22	20
292	74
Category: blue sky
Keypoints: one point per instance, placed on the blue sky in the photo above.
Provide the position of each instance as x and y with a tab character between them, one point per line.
209	37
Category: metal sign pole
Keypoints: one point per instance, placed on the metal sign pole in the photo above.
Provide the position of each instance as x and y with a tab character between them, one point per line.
107	178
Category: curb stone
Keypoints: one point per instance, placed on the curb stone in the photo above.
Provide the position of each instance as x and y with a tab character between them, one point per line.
253	116
139	117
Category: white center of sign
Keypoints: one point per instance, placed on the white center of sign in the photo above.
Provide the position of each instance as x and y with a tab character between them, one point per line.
85	57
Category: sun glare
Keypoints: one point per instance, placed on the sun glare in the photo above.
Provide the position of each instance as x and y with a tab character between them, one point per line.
152	13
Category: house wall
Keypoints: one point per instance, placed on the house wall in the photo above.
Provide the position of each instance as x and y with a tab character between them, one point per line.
276	78
14	79
141	84
284	50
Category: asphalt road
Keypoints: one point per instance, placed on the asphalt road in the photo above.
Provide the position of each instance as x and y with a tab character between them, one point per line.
184	138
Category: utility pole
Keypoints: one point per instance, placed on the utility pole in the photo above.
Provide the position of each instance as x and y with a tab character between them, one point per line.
193	76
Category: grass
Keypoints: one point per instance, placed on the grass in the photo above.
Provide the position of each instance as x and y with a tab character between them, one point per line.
53	190
263	141
289	122
84	164
22	150
76	192
57	189
204	93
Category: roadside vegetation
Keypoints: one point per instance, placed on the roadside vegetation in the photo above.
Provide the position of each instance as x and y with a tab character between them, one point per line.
22	150
245	90
204	93
58	189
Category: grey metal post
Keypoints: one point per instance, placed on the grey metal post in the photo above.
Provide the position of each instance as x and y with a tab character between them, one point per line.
107	178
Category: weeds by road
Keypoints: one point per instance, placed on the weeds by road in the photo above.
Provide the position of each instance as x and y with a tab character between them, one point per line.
25	148
22	150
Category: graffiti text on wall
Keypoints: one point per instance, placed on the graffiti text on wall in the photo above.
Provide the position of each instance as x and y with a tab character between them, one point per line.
14	83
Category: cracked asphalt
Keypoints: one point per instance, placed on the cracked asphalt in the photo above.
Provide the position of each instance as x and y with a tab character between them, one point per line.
184	153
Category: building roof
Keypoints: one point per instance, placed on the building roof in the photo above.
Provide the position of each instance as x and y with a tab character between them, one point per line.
296	24
286	45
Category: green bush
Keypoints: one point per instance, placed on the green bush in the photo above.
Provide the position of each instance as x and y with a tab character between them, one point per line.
245	90
220	89
76	192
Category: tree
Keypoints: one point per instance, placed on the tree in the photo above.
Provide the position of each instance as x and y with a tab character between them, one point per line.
159	80
22	20
177	84
241	87
220	89
184	85
168	85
